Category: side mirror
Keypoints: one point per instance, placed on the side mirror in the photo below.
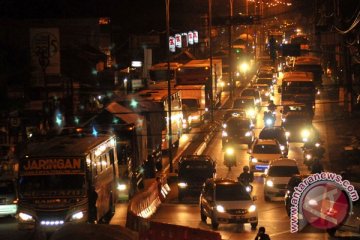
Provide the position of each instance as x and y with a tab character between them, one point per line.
254	198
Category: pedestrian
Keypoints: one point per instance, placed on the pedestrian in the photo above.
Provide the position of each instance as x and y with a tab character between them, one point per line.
93	196
261	235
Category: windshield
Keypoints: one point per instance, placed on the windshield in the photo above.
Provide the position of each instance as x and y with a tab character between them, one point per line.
192	104
298	87
196	169
283	171
48	185
243	103
237	124
267	81
266	149
231	192
7	187
161	75
273	134
248	93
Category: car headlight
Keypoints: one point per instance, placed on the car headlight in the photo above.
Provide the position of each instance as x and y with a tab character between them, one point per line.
305	139
283	119
269	121
317	144
254	160
247	134
269	183
308	156
220	208
282	147
25	217
267	94
77	216
182	184
252	208
121	187
248	189
250	112
229	151
224	125
305	133
196	117
257	101
224	134
287	134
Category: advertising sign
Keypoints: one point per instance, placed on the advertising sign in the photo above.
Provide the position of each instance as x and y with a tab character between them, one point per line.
184	39
172	47
196	36
191	38
31	167
45	50
178	40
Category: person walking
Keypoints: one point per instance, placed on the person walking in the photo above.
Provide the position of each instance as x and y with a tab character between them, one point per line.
261	235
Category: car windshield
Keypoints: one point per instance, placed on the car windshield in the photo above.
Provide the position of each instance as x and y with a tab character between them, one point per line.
231	192
267	81
273	134
52	185
266	149
237	124
243	103
190	103
196	169
247	93
283	171
7	187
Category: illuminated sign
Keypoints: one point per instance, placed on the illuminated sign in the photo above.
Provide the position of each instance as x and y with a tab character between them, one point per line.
178	40
196	36
191	38
172	44
51	166
136	64
184	39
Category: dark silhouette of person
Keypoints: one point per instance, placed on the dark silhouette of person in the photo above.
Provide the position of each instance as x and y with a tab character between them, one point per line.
317	166
261	235
246	177
93	196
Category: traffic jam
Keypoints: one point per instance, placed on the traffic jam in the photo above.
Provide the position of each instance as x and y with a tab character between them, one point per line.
243	129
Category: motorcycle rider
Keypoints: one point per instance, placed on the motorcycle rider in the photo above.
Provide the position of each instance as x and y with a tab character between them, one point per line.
271	107
317	166
246	177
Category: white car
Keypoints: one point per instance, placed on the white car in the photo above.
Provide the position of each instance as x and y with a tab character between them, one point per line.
227	201
277	177
262	152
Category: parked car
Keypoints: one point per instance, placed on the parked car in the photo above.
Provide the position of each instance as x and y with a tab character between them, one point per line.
227	201
277	133
262	152
193	170
8	197
277	177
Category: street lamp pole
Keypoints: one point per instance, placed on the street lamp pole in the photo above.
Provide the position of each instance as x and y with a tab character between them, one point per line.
211	63
231	80
167	3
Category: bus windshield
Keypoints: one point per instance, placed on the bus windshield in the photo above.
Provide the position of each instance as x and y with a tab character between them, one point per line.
161	75
298	87
47	185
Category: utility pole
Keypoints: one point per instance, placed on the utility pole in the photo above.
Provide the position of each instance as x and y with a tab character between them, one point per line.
211	64
231	80
167	2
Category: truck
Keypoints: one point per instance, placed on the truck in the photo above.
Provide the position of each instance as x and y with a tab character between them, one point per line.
193	105
197	72
130	130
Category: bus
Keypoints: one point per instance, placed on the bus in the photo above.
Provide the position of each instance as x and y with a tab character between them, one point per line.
150	103
67	179
300	39
298	87
310	64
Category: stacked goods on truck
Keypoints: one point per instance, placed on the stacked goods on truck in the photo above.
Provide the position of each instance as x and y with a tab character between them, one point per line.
197	72
193	104
153	105
67	179
310	64
159	75
130	130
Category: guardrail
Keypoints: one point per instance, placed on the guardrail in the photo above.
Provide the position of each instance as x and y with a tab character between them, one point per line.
145	203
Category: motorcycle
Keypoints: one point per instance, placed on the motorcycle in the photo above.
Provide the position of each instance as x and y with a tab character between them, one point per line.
229	157
311	152
269	119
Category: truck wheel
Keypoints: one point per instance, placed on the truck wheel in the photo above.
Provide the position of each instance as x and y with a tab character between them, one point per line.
214	224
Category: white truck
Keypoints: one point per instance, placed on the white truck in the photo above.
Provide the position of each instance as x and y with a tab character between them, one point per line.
193	104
